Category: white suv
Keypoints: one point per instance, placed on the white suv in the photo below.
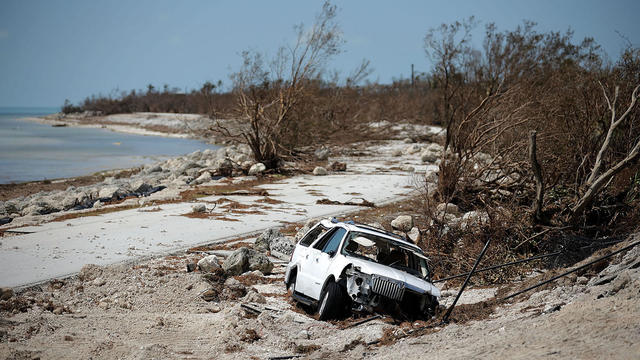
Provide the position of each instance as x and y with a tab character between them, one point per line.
343	266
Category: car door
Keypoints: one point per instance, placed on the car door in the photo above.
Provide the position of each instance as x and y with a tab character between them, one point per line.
321	255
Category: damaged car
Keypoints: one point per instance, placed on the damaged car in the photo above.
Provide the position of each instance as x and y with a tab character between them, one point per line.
339	267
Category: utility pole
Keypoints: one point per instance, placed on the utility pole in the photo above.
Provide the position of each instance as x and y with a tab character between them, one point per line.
412	76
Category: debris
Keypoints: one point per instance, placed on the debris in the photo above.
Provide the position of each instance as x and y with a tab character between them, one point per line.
375	317
445	319
250	309
338	166
363	202
572	270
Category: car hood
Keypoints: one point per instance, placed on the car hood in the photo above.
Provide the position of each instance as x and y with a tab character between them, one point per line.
412	282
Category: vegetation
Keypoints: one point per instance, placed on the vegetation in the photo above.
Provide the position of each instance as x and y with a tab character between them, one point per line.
542	132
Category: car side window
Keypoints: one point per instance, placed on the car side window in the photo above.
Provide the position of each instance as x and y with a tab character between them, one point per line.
334	241
312	235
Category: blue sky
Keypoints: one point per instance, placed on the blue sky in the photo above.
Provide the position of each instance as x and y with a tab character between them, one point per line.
53	50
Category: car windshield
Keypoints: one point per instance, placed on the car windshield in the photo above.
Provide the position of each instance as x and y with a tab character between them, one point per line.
384	251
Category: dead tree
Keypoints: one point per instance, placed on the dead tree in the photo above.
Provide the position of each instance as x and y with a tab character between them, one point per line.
268	93
597	180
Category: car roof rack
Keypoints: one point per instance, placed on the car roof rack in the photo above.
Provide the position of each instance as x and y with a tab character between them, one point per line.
369	227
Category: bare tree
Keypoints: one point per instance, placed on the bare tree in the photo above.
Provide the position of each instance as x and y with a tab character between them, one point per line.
268	93
597	181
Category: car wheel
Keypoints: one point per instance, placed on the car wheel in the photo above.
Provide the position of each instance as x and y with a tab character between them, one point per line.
330	301
291	286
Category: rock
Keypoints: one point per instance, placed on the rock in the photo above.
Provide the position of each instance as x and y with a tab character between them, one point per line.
283	245
402	223
98	281
257	169
414	235
203	178
431	177
6	293
253	296
408	168
408	140
322	154
209	295
474	218
396	152
208	263
245	259
412	149
58	311
263	242
199	208
233	289
97	205
431	153
338	166
320	171
582	280
449	208
140	187
620	282
110	192
258	261
154	169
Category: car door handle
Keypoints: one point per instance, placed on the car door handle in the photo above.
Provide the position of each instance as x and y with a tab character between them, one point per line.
317	259
306	257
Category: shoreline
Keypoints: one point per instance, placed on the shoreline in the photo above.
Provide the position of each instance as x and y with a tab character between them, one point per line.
184	126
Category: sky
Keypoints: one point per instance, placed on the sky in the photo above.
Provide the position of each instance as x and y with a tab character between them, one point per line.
69	49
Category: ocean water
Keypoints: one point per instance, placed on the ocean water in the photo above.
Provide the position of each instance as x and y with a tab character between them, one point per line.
32	151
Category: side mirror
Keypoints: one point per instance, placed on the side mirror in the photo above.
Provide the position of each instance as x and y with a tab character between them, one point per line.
331	253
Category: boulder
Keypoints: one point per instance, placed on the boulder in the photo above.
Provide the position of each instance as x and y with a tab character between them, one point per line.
6	293
396	152
140	187
245	259
320	171
283	245
449	208
322	154
412	149
257	169
253	296
402	223
154	169
203	178
208	263
414	235
110	192
474	218
408	168
199	208
263	242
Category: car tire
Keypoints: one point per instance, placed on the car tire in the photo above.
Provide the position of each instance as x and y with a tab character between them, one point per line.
331	301
291	285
